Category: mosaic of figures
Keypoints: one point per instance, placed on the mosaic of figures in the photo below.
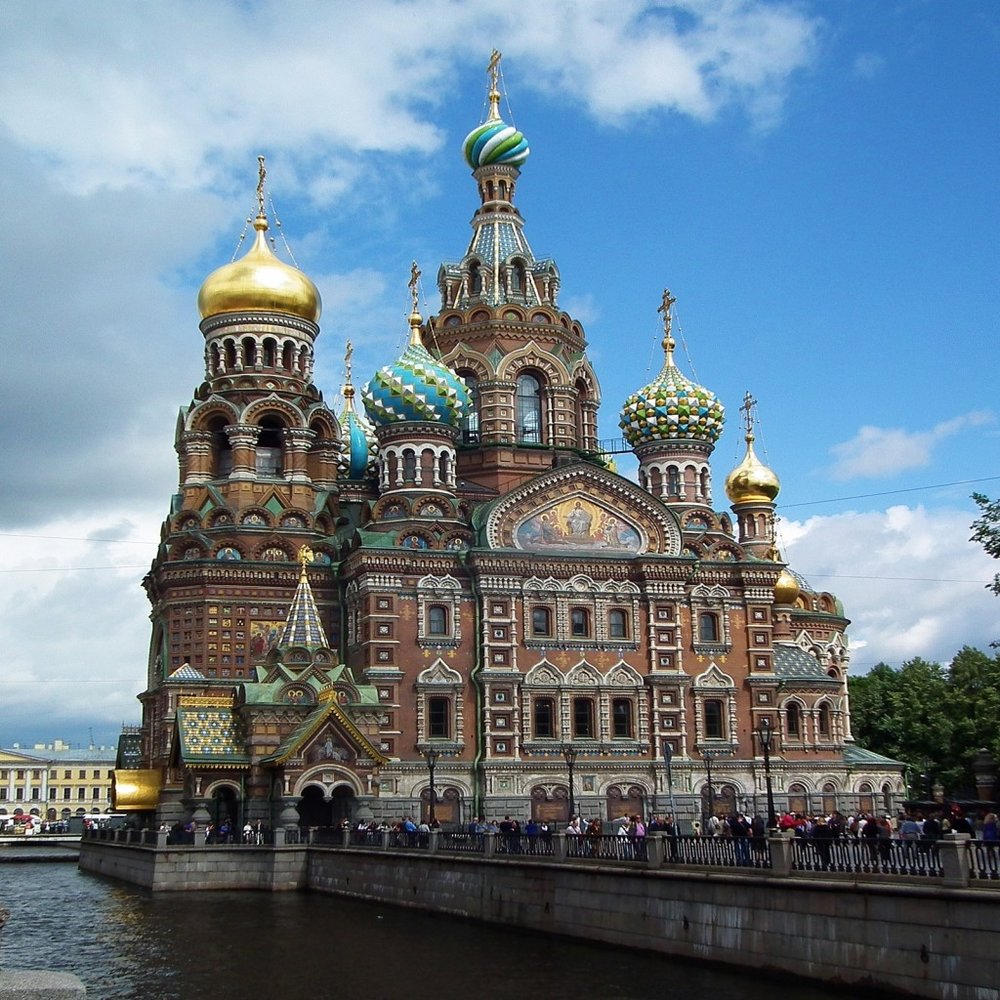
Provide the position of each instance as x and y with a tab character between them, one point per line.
577	524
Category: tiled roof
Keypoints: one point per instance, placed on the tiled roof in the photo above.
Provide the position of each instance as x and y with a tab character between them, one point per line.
303	626
854	754
211	735
790	661
185	672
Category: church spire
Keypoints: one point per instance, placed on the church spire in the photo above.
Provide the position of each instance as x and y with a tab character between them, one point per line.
303	626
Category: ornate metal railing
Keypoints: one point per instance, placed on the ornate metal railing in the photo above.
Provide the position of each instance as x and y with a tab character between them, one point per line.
984	860
877	856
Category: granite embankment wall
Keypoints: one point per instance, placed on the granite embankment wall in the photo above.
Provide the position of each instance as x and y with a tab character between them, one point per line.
901	937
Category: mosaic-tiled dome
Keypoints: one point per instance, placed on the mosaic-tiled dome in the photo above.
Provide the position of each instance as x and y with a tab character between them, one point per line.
360	445
671	408
495	142
416	387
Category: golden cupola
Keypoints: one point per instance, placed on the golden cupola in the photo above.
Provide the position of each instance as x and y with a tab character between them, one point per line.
259	281
786	589
751	481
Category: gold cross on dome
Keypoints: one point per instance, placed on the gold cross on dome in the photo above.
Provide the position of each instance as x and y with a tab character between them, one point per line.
348	354
668	301
412	283
261	174
747	410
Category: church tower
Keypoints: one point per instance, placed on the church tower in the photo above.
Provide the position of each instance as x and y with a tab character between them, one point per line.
534	395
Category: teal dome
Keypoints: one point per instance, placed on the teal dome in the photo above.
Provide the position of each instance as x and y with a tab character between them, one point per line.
416	387
671	408
360	447
495	142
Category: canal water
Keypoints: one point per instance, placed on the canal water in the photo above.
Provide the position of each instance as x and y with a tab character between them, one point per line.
125	942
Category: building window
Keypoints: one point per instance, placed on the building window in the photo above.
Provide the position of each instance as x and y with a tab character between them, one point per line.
81	794
708	626
544	719
579	622
794	720
541	621
714	719
621	718
437	620
824	719
617	624
528	406
438	718
67	793
470	419
583	718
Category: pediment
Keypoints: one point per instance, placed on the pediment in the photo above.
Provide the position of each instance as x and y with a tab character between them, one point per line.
715	678
543	675
624	676
582	508
439	673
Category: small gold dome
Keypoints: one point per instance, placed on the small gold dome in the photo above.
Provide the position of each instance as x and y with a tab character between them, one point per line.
752	481
259	282
786	590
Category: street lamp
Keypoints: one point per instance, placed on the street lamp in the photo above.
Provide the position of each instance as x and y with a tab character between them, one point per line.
570	753
668	756
765	734
431	756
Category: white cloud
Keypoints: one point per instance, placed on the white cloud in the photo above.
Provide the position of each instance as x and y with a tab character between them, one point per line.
884	451
868	65
910	580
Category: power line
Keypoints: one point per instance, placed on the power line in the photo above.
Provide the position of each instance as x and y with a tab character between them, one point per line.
888	493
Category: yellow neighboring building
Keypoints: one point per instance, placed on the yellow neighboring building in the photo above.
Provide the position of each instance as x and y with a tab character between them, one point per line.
54	781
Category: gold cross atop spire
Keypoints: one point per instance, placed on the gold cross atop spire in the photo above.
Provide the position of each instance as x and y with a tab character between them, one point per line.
494	95
412	284
665	307
261	174
747	410
348	355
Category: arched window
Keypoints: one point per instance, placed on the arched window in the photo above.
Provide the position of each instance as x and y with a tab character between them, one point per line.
714	719
269	449
541	621
794	720
579	622
673	482
437	620
583	718
470	419
544	718
249	352
829	798
708	626
824	719
517	277
222	450
621	718
439	718
617	624
409	466
529	410
475	278
270	352
798	798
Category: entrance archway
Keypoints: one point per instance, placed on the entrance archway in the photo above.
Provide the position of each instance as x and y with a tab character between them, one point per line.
342	804
552	808
447	806
226	806
314	808
630	804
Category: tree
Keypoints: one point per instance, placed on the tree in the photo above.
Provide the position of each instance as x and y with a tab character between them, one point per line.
986	531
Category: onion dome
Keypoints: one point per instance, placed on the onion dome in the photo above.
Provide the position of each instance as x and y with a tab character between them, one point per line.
417	386
671	407
786	590
751	481
361	445
259	282
495	141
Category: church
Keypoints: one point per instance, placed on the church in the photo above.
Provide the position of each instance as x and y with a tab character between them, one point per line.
440	599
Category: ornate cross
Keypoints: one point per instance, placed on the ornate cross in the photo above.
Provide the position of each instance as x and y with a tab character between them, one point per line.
668	301
412	284
747	409
262	173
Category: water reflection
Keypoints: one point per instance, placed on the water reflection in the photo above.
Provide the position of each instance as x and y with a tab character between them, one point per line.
124	942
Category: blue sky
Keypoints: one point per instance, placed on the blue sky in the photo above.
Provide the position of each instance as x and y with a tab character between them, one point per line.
815	182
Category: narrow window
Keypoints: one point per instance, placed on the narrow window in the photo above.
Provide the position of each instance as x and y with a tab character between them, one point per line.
708	627
617	624
794	719
475	278
269	450
541	622
713	719
438	718
579	621
470	419
583	718
824	719
437	620
529	409
621	718
544	718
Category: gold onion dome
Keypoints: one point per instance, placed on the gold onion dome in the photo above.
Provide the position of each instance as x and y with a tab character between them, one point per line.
752	481
786	590
260	282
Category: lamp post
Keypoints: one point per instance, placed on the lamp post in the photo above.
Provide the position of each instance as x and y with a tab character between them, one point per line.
765	734
668	756
431	756
570	753
708	755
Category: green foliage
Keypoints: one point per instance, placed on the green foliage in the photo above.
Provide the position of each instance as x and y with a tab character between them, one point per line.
934	719
986	531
